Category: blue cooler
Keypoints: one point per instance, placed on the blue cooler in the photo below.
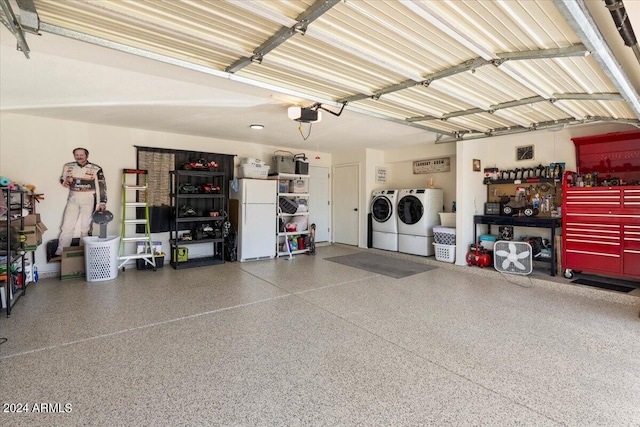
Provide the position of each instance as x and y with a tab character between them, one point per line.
488	240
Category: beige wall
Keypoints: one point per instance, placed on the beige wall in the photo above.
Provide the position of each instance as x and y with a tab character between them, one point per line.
33	150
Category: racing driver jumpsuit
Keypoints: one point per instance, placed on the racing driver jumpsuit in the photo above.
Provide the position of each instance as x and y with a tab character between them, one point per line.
85	183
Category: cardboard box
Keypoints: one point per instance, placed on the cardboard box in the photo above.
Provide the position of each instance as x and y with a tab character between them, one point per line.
32	230
72	265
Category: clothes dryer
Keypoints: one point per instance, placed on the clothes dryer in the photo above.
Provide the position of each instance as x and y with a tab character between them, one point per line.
384	223
417	215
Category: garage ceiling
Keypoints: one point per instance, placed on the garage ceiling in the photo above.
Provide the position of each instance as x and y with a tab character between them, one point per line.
460	69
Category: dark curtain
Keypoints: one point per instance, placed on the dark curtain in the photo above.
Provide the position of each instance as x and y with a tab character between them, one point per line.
159	162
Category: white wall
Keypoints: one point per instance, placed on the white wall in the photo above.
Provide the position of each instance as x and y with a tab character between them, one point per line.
550	147
33	150
401	161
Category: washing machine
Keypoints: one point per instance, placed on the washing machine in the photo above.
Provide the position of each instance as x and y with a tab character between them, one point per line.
384	224
418	210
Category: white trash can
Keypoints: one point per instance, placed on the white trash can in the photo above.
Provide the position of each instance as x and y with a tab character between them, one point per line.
101	257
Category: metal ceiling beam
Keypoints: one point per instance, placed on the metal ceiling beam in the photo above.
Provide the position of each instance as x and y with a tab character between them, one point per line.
12	24
551	124
283	34
472	64
562	52
29	18
525	101
588	97
577	15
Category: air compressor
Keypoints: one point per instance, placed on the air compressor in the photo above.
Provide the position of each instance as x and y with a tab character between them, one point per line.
479	256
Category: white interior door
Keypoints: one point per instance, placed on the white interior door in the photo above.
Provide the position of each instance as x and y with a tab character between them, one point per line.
346	202
319	201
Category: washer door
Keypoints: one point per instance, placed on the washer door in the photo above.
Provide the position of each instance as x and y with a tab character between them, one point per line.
410	210
381	209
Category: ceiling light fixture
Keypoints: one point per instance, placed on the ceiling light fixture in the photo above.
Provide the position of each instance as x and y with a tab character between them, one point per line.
257	127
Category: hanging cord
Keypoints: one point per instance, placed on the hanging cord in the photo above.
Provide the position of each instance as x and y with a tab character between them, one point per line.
304	138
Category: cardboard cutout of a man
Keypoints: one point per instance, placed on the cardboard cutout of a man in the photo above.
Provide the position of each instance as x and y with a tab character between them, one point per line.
86	184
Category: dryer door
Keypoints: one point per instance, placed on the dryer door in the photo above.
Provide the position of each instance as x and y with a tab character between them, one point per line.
410	210
381	209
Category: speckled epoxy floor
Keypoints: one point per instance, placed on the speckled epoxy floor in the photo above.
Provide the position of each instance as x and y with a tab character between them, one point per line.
312	342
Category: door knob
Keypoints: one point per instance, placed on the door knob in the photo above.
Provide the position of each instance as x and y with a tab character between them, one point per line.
355	209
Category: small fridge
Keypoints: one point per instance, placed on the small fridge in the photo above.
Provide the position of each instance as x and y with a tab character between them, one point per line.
257	200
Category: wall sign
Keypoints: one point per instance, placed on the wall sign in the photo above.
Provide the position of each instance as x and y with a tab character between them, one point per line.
381	175
432	165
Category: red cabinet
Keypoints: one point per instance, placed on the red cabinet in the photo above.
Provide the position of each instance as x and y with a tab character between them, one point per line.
601	224
601	230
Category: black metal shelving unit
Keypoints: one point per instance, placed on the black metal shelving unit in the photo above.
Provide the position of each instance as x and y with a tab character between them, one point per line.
13	288
204	192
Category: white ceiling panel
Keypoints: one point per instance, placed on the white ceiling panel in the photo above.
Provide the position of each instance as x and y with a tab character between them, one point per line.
473	63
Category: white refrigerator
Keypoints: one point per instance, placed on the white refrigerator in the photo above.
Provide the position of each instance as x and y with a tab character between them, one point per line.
257	201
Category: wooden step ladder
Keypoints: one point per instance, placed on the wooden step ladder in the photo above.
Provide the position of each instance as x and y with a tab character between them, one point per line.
129	237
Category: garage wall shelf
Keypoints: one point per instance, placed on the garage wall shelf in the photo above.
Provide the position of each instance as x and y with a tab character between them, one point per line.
293	192
14	279
198	216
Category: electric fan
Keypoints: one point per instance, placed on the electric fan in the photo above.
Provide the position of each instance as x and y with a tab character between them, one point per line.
513	257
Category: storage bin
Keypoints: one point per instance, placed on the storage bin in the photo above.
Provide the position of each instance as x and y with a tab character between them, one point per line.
444	235
488	240
298	186
142	264
302	164
251	161
252	170
445	253
448	219
287	205
101	257
284	163
283	186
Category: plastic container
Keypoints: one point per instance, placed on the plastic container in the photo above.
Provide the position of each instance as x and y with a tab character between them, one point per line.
298	186
448	219
488	240
445	253
302	164
287	205
101	258
444	235
284	163
251	161
255	171
283	186
142	264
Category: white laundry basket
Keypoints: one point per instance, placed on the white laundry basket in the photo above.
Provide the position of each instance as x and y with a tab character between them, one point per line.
445	253
101	257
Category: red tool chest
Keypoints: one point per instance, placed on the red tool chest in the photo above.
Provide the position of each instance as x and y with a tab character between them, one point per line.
601	224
